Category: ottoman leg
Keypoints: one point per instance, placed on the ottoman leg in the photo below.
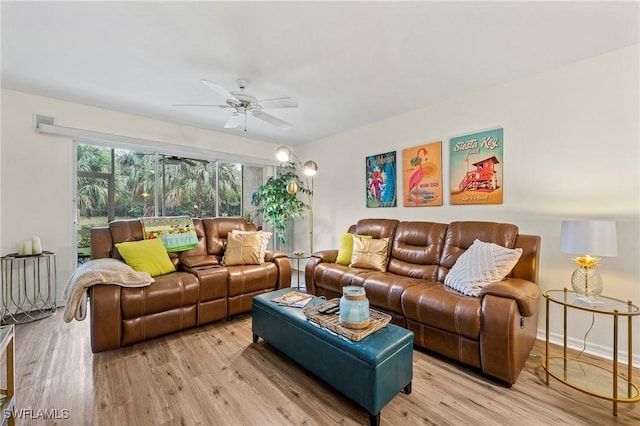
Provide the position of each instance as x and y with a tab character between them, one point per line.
374	419
255	338
407	389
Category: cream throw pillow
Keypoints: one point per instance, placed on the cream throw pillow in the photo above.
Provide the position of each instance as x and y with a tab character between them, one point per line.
482	264
243	249
266	236
370	253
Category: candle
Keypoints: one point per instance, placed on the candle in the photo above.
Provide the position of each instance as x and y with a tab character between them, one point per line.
27	247
36	245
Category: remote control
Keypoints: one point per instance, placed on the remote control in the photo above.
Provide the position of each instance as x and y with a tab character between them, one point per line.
333	310
325	308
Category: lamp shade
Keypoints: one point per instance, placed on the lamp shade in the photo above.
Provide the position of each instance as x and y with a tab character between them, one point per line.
310	168
593	237
283	153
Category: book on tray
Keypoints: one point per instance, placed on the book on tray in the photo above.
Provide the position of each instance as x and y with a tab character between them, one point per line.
294	299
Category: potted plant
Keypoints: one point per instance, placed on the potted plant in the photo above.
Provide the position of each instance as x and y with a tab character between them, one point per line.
277	201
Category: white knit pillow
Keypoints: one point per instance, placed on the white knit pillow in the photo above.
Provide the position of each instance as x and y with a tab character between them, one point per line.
482	264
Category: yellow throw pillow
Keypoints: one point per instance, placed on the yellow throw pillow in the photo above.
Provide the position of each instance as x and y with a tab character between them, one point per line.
148	256
346	248
243	249
370	253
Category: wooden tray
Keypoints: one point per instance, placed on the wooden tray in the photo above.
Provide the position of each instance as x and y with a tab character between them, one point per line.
331	322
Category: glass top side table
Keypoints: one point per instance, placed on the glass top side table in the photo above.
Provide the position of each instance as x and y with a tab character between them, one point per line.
297	257
29	287
583	375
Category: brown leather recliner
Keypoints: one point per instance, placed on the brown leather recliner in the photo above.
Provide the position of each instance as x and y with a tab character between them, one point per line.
494	332
201	291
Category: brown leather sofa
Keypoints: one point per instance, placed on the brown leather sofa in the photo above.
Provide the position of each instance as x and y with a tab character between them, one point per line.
493	332
199	292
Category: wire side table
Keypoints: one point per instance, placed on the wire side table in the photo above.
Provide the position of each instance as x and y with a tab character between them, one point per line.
29	287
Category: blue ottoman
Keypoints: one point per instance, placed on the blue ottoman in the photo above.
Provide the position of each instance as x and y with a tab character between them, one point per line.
370	372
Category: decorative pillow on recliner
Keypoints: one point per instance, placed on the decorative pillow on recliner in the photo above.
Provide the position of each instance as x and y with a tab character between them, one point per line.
266	236
346	248
146	256
370	253
482	264
243	249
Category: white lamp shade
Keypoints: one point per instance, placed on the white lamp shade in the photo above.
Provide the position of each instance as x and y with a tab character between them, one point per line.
283	153
592	237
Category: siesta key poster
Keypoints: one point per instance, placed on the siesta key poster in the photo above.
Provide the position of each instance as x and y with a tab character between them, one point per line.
422	175
381	180
476	168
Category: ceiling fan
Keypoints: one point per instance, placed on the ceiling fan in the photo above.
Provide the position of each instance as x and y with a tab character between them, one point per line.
177	161
243	104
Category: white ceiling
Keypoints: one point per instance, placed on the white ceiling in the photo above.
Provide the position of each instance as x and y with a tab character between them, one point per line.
347	63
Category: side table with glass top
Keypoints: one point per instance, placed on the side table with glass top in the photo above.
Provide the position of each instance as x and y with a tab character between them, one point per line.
296	257
29	287
583	375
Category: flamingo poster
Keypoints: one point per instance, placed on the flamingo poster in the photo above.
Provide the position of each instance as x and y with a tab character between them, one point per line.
422	175
476	168
381	180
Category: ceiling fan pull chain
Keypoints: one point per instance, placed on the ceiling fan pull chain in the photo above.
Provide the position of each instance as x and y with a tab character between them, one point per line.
245	121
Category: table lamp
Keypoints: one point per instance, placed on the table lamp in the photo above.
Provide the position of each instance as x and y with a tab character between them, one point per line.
588	238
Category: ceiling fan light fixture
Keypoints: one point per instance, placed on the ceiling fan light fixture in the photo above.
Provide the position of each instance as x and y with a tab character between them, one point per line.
283	153
310	168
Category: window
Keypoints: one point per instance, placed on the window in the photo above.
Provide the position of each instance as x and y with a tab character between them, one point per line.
122	184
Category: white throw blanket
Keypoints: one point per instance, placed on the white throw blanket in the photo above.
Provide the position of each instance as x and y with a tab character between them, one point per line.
98	271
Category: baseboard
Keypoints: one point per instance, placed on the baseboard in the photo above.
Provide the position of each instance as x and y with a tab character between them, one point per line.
600	351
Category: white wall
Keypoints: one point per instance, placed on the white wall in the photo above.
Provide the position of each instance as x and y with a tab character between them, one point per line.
37	169
571	150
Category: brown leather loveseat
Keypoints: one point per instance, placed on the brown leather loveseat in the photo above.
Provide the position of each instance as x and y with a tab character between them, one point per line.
199	292
493	332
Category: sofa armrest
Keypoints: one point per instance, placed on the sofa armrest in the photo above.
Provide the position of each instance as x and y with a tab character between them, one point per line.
284	267
326	255
316	258
525	293
105	317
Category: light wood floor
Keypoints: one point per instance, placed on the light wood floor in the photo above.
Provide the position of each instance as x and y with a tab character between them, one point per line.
214	375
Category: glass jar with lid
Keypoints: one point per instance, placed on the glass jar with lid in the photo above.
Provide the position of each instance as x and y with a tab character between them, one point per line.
354	307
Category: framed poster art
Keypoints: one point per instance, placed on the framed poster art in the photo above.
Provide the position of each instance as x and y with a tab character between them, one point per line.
422	175
476	168
381	180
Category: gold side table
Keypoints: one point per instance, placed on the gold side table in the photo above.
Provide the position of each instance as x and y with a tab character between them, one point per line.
583	375
7	396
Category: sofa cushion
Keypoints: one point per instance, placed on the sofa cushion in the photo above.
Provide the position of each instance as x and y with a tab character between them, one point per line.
245	279
146	256
416	250
370	253
243	249
482	264
443	308
460	236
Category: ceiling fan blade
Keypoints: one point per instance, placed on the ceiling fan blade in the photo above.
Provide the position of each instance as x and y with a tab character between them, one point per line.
278	103
200	105
218	89
233	121
275	121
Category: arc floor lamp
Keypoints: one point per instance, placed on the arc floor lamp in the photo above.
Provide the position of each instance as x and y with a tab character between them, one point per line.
309	168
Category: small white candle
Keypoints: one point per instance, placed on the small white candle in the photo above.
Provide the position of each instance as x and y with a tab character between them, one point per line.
36	245
27	247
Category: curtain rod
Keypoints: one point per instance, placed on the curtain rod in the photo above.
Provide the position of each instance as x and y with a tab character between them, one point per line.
45	125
